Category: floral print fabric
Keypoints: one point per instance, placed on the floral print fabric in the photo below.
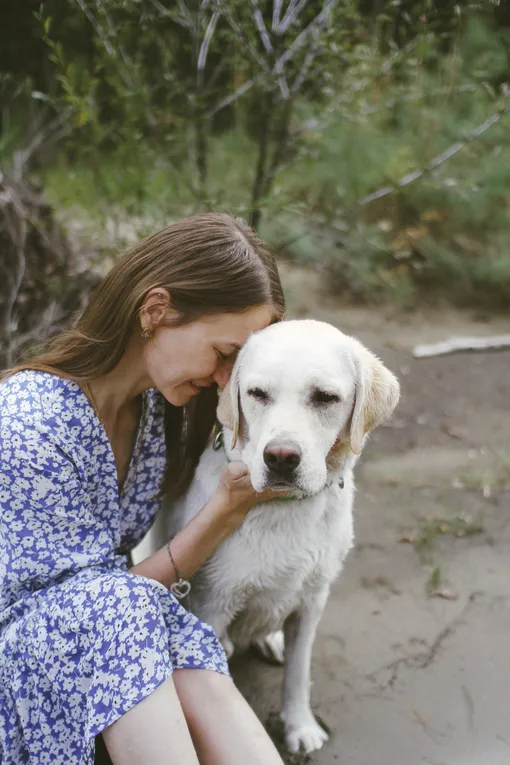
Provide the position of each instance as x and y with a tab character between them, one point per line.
81	639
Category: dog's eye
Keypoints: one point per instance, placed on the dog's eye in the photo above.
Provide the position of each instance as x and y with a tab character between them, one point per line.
321	397
258	393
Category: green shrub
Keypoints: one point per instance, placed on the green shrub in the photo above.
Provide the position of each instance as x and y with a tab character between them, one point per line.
445	235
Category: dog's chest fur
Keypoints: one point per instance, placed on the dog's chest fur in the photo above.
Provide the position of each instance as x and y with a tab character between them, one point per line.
283	553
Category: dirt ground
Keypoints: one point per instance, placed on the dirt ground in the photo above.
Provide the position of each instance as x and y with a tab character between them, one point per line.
402	677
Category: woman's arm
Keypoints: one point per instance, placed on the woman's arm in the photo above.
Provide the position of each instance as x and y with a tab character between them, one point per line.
197	541
192	546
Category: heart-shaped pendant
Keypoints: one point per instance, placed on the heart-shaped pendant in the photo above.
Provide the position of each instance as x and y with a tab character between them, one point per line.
180	589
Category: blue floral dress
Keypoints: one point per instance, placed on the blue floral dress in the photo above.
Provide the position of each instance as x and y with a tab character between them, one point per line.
81	639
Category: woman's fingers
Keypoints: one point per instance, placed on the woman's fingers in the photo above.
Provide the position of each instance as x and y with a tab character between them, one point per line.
235	480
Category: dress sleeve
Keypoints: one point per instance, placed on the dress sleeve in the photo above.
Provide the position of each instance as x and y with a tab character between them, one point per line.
46	523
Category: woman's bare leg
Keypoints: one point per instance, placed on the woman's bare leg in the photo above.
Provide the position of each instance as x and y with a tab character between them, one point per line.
153	731
224	728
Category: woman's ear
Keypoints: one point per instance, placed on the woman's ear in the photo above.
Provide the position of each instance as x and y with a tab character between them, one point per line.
155	308
377	395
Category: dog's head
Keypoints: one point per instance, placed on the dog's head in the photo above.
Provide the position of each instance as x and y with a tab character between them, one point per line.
302	397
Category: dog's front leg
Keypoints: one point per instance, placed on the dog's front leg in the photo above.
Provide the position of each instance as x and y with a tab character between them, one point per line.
301	727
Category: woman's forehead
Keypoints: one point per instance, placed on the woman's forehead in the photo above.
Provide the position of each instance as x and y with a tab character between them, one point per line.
236	327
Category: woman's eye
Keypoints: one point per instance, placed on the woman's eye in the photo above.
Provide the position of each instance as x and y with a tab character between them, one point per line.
258	393
225	356
321	397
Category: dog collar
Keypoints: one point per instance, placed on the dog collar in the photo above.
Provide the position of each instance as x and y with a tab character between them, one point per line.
219	443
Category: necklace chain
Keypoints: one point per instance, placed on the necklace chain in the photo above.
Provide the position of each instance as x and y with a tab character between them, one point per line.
93	402
130	477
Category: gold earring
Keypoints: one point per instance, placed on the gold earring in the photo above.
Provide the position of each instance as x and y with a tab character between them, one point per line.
146	333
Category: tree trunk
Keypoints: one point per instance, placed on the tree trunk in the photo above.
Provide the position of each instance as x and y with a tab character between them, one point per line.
260	180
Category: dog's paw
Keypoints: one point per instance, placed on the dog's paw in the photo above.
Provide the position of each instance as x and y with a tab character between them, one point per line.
271	647
304	734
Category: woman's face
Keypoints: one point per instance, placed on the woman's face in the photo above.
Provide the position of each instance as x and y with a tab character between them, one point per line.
181	360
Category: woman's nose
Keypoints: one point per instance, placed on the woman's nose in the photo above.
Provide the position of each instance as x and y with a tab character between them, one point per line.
222	375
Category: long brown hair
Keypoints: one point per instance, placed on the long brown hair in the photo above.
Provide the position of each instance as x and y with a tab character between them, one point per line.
210	264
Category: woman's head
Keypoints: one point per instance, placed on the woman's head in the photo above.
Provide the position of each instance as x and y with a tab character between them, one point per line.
182	358
198	288
206	265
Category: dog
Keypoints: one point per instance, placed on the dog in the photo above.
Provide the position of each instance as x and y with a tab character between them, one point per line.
300	403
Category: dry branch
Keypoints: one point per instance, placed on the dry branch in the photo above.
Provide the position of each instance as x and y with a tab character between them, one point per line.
462	344
40	292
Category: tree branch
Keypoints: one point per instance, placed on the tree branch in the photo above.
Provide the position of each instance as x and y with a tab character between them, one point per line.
361	85
99	30
186	13
113	34
246	43
293	10
259	22
43	136
300	39
204	48
277	9
435	162
300	77
104	39
234	96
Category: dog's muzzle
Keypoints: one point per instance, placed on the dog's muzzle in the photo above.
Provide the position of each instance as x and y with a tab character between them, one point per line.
282	458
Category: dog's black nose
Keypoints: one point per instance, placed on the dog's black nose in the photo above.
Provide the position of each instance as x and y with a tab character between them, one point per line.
282	457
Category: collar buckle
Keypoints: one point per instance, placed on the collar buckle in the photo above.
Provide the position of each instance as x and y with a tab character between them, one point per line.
218	437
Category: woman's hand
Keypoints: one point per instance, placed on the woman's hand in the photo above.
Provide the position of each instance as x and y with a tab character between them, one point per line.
239	494
196	542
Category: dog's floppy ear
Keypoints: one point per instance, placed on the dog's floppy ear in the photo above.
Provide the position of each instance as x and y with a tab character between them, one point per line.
377	395
228	405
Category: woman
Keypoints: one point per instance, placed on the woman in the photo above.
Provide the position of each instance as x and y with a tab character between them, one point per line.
114	412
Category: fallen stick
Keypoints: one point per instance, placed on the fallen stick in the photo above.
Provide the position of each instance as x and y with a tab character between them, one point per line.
459	344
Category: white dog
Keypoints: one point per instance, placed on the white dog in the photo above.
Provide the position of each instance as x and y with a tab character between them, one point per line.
300	402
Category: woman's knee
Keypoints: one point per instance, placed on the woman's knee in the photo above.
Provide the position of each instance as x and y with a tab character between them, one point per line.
199	688
206	679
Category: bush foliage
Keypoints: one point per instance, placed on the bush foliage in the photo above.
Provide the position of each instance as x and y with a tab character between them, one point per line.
386	165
